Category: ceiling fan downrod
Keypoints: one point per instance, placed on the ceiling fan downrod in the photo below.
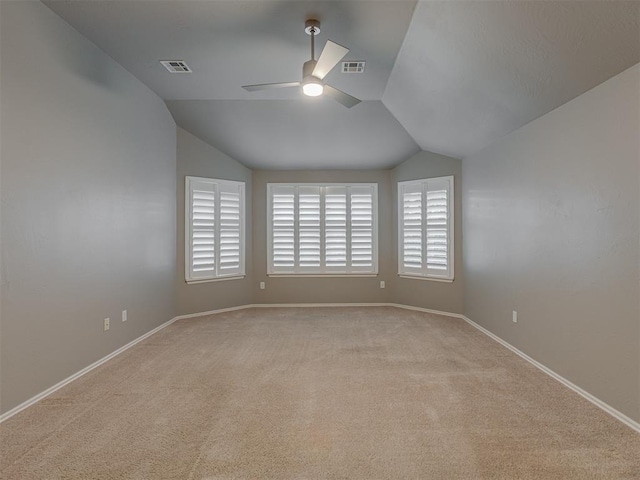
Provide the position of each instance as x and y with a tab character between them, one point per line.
311	85
312	27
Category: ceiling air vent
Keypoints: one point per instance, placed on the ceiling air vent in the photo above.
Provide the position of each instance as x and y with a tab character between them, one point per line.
353	67
176	66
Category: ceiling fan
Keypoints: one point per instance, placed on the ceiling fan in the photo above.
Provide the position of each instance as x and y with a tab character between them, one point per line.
314	71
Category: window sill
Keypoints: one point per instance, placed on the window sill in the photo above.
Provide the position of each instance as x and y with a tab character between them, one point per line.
322	275
431	279
218	279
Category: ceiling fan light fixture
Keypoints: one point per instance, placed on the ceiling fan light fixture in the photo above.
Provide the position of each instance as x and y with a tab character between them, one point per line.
312	87
314	71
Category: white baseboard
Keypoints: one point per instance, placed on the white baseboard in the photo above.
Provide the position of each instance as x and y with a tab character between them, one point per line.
85	370
315	305
596	401
426	310
396	305
583	393
212	312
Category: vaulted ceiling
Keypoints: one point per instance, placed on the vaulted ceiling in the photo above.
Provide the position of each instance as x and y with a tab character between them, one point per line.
445	76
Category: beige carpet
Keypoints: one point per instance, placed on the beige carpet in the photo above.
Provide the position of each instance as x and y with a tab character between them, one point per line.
327	393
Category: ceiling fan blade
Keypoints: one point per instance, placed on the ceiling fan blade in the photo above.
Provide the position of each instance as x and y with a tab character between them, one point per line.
267	86
344	98
329	58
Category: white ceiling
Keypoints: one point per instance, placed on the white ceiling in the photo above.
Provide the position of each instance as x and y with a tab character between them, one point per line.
456	75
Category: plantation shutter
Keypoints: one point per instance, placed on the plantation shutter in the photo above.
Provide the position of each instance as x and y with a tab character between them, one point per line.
335	233
425	237
309	228
230	239
322	229
361	228
283	228
412	227
202	253
437	226
214	214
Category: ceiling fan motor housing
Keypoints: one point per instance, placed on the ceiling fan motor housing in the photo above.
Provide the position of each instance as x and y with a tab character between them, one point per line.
311	86
307	68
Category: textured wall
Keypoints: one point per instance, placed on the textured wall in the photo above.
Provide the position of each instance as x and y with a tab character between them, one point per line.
199	159
551	215
317	289
447	297
88	203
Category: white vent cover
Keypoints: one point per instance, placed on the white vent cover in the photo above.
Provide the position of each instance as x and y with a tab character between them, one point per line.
353	67
176	66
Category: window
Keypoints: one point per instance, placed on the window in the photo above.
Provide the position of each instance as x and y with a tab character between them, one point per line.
425	228
322	229
214	229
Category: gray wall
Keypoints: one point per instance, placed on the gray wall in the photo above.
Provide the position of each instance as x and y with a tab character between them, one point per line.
316	289
446	297
199	159
551	216
88	203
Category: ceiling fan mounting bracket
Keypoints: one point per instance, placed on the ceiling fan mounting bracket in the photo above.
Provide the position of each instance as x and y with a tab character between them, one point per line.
312	26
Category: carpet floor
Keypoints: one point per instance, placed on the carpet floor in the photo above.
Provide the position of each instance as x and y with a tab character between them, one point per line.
323	393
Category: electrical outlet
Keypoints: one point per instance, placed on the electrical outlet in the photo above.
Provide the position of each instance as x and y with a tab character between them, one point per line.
124	315
382	284
261	285
106	324
515	317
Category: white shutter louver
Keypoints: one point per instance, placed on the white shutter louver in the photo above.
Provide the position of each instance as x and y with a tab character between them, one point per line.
335	220
322	229
309	227
214	214
425	233
437	227
283	228
361	227
203	239
412	229
230	230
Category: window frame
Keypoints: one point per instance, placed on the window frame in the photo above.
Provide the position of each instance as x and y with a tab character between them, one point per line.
425	273
217	276
323	271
